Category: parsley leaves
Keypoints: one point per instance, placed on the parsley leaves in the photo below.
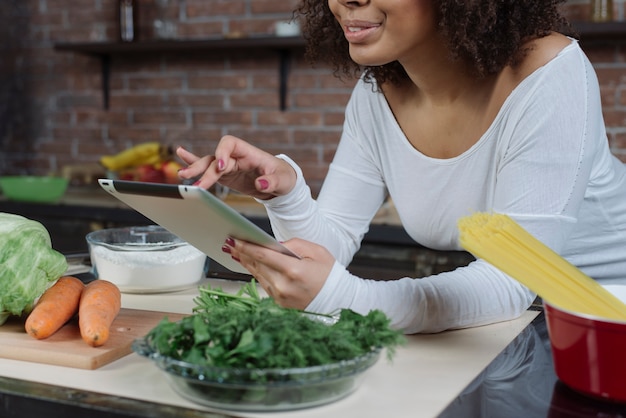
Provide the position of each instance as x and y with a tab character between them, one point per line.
246	331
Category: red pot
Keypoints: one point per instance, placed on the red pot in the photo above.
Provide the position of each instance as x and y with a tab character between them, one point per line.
589	352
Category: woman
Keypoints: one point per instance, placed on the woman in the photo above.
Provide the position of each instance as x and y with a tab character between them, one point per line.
463	106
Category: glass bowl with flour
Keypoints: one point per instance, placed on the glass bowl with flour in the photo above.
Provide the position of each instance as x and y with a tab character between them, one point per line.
145	259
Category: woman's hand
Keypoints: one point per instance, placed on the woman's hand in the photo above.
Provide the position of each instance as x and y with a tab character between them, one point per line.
292	282
239	166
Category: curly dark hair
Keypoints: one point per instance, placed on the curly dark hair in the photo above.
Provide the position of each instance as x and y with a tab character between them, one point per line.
486	34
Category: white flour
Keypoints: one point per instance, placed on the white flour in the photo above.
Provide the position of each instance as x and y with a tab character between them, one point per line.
149	271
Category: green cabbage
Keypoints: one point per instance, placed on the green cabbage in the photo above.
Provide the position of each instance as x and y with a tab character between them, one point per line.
28	264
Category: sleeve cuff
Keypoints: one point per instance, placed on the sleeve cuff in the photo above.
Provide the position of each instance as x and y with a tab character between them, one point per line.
337	293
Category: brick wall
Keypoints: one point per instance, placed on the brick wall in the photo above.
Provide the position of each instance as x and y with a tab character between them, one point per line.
51	112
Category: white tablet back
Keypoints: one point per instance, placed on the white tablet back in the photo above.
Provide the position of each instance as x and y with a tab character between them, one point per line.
194	214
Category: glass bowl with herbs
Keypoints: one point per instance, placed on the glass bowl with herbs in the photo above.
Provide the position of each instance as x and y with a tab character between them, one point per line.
243	352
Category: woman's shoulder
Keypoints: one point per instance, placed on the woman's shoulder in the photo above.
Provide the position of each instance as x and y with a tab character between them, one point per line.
536	54
539	53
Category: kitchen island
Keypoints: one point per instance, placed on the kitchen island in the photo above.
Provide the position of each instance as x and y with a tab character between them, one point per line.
500	370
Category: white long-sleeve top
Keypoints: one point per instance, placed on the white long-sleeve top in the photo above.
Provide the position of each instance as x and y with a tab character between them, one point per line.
544	161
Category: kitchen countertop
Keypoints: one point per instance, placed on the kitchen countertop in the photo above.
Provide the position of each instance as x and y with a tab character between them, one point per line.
500	370
424	376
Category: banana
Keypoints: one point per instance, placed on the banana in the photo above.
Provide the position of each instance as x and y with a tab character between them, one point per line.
146	153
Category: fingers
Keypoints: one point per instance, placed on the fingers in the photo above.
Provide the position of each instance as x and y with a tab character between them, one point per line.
291	281
228	151
270	176
306	249
256	269
278	181
209	169
186	156
199	168
240	166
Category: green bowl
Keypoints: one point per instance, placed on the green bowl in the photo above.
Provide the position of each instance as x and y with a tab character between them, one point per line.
45	189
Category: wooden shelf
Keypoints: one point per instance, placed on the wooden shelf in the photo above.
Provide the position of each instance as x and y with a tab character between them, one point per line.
110	48
590	32
283	45
605	31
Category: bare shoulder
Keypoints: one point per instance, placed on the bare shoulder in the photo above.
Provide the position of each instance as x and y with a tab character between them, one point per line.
538	53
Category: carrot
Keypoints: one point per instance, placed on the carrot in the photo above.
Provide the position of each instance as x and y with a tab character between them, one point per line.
55	307
99	305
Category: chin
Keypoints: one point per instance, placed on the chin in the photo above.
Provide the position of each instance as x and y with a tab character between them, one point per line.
366	58
368	62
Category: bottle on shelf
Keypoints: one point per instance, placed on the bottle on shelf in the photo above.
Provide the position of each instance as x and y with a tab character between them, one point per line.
128	20
164	24
601	10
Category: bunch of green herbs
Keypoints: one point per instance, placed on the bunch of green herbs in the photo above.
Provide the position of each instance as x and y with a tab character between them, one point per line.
243	330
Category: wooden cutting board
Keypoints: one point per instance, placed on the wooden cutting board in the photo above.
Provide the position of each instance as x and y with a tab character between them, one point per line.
66	348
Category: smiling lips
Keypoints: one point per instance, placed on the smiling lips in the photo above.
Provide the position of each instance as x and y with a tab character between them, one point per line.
358	31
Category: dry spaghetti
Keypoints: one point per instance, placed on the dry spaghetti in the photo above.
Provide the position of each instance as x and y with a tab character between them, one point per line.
502	242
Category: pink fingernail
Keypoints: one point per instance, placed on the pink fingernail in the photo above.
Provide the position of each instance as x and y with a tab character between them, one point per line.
220	164
226	249
196	183
230	242
236	259
264	184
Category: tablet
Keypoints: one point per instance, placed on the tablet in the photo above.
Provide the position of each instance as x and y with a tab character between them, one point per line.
193	214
